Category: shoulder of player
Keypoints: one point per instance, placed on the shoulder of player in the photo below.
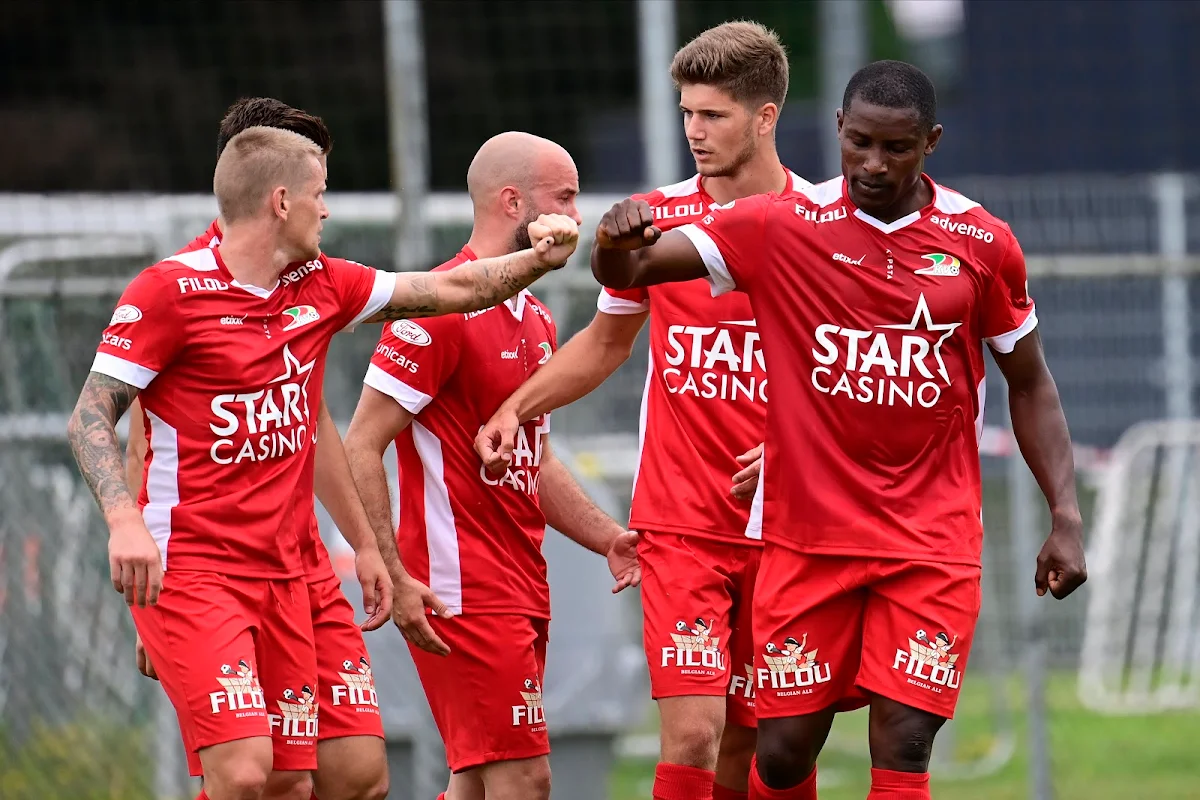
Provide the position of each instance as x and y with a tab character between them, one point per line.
967	219
674	193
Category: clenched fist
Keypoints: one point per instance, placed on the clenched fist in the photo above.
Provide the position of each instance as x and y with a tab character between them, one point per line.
554	238
629	225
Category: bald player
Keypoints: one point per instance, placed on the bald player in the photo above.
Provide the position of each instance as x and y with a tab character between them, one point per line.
474	537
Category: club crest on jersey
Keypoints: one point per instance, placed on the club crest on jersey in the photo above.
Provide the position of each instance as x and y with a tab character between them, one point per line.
297	717
929	662
408	331
241	692
791	669
941	265
696	650
546	352
530	712
358	687
300	316
124	314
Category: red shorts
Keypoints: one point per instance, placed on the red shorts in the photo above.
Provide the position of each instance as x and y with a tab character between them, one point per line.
349	703
236	658
696	626
486	696
833	629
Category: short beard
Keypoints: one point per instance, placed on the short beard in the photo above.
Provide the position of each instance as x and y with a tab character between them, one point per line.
742	158
520	238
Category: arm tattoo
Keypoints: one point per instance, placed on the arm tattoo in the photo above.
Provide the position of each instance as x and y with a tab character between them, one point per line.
93	437
473	286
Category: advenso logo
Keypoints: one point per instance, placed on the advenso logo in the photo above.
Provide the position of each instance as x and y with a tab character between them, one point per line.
963	228
125	313
408	331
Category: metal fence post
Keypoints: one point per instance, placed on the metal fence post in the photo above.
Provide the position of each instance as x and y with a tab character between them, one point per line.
408	128
659	110
1169	193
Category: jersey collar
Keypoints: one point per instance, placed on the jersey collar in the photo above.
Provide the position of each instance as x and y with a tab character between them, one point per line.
895	225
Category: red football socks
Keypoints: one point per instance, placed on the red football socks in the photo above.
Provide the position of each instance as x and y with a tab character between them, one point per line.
807	790
889	785
202	795
721	793
677	782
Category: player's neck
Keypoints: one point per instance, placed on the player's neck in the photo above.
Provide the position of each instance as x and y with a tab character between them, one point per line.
760	175
251	255
486	243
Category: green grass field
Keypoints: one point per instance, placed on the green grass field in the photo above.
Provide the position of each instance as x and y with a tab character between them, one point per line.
1094	757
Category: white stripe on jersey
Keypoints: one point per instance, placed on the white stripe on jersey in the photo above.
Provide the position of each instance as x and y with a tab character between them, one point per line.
1005	342
381	295
162	482
619	306
409	398
441	533
122	370
718	274
754	524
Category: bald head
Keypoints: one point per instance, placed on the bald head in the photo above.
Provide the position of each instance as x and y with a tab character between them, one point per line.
515	177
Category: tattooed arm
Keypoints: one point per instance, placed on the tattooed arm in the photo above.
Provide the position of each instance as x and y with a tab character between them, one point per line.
133	556
484	282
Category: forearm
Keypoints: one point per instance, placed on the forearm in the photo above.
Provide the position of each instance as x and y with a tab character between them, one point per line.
1040	428
334	486
616	269
472	286
370	477
570	511
92	435
582	364
671	259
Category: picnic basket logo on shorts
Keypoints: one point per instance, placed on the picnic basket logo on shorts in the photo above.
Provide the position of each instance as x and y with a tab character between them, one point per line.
929	662
743	687
530	712
241	691
791	669
696	650
358	688
297	717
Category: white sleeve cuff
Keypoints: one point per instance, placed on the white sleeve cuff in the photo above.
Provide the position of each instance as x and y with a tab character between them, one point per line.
122	370
619	305
409	398
381	295
718	273
1005	342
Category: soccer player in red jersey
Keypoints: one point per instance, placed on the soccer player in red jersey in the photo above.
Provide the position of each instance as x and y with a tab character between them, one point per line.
222	352
875	293
704	406
351	759
473	536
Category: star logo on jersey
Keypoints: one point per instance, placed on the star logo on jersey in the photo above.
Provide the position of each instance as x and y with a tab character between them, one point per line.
922	318
546	352
941	265
299	316
294	369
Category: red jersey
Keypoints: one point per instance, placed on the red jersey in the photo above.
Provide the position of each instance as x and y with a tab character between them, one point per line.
874	332
313	555
706	391
474	538
225	371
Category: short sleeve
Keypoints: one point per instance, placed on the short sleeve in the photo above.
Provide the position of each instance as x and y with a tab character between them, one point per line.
623	301
143	336
1008	310
730	239
361	290
413	360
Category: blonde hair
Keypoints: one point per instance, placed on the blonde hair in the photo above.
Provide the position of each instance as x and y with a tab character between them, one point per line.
744	59
256	162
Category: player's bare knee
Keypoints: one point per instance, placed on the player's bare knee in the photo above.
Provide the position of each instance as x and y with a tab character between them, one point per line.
693	743
288	785
526	779
902	738
787	751
736	751
240	779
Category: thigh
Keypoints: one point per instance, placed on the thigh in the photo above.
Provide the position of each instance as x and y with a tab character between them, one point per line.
345	684
687	606
288	661
739	708
918	627
486	696
199	638
808	613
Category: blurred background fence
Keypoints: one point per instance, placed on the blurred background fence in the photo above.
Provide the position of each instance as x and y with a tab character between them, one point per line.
1069	120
